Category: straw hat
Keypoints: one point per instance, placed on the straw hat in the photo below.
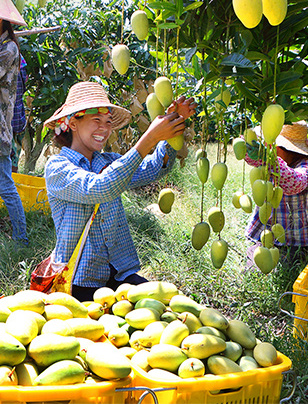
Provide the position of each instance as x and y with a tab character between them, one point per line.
294	138
10	13
85	95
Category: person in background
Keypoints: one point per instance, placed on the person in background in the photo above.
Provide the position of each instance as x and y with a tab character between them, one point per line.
292	213
9	68
81	176
19	118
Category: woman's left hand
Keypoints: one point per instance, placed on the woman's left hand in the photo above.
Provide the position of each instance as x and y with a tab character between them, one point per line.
184	107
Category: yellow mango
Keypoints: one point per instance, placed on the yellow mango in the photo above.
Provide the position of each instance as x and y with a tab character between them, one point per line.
219	174
86	328
275	10
122	307
174	333
225	97
120	57
57	326
61	373
216	219
239	148
140	318
181	303
272	122
176	142
259	191
165	200
191	367
163	90
118	337
104	296
263	259
8	376
166	357
140	358
250	135
236	199
249	12
202	346
12	351
159	290
22	325
76	307
219	251
200	235
26	373
154	107
265	354
140	24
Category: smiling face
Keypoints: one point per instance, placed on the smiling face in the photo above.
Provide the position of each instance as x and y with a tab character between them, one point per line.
90	133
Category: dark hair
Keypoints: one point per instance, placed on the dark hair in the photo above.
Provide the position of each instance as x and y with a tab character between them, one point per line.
296	157
7	26
65	138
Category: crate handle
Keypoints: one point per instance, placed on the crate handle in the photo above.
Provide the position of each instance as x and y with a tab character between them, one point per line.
291	372
146	392
37	195
285	311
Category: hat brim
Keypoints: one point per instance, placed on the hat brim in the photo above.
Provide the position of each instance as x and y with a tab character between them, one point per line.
120	116
296	147
10	13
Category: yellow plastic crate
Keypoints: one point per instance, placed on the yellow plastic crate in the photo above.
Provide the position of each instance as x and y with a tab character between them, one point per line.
300	299
107	392
259	386
32	192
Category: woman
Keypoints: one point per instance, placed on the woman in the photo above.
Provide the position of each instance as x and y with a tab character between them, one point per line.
80	176
9	68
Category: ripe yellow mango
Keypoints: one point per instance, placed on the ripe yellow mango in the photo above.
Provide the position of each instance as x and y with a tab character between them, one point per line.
190	320
174	333
140	24
213	318
104	296
219	174
162	375
22	325
239	148
140	318
219	251
191	367
76	307
27	300
275	10
57	326
120	57
200	235
163	90
154	107
176	142
202	168
265	354
263	259
86	328
181	303
12	351
166	357
159	290
26	373
57	311
8	376
219	365
121	291
259	192
118	337
249	12
152	333
165	200
246	203
272	122
140	358
122	307
216	219
201	346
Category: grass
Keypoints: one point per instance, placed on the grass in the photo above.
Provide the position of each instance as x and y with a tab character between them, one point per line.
164	247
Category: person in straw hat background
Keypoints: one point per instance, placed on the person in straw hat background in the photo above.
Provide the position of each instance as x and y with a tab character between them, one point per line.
292	213
9	69
81	176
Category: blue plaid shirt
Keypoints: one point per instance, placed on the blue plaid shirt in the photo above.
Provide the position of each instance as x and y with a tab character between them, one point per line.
74	186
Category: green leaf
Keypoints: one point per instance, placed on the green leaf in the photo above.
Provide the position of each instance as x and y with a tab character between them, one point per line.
253	55
190	53
193	6
162	5
282	79
237	60
168	25
246	92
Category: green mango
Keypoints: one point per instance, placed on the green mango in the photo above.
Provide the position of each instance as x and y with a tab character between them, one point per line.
259	191
152	304
265	354
166	357
200	153
256	173
267	238
152	333
239	148
213	318
279	233
250	135
159	290
163	90
140	318
220	365
168	316
182	303
174	333
219	251
272	122
49	348
236	199
154	107
222	100
207	329
246	203
191	367
176	142
248	363
202	169
265	212
200	235
275	255
74	305
120	57
216	219
86	328
202	346
165	200
12	351
140	24
263	259
269	190
107	362
239	332
277	196
8	376
233	350
62	372
22	325
219	174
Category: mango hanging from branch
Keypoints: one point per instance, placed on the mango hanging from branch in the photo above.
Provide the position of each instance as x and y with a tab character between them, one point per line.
275	10
140	24
202	168
163	91
219	251
200	235
166	200
249	12
272	122
120	58
154	107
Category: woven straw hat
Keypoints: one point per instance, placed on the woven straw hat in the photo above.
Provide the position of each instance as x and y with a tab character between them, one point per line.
85	95
294	138
10	13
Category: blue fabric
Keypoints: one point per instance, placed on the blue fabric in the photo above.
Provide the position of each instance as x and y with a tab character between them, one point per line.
19	117
11	198
74	186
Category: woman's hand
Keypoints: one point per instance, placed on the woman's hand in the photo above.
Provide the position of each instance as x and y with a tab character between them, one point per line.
184	107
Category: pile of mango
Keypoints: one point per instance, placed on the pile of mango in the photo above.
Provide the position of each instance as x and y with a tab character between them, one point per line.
53	339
